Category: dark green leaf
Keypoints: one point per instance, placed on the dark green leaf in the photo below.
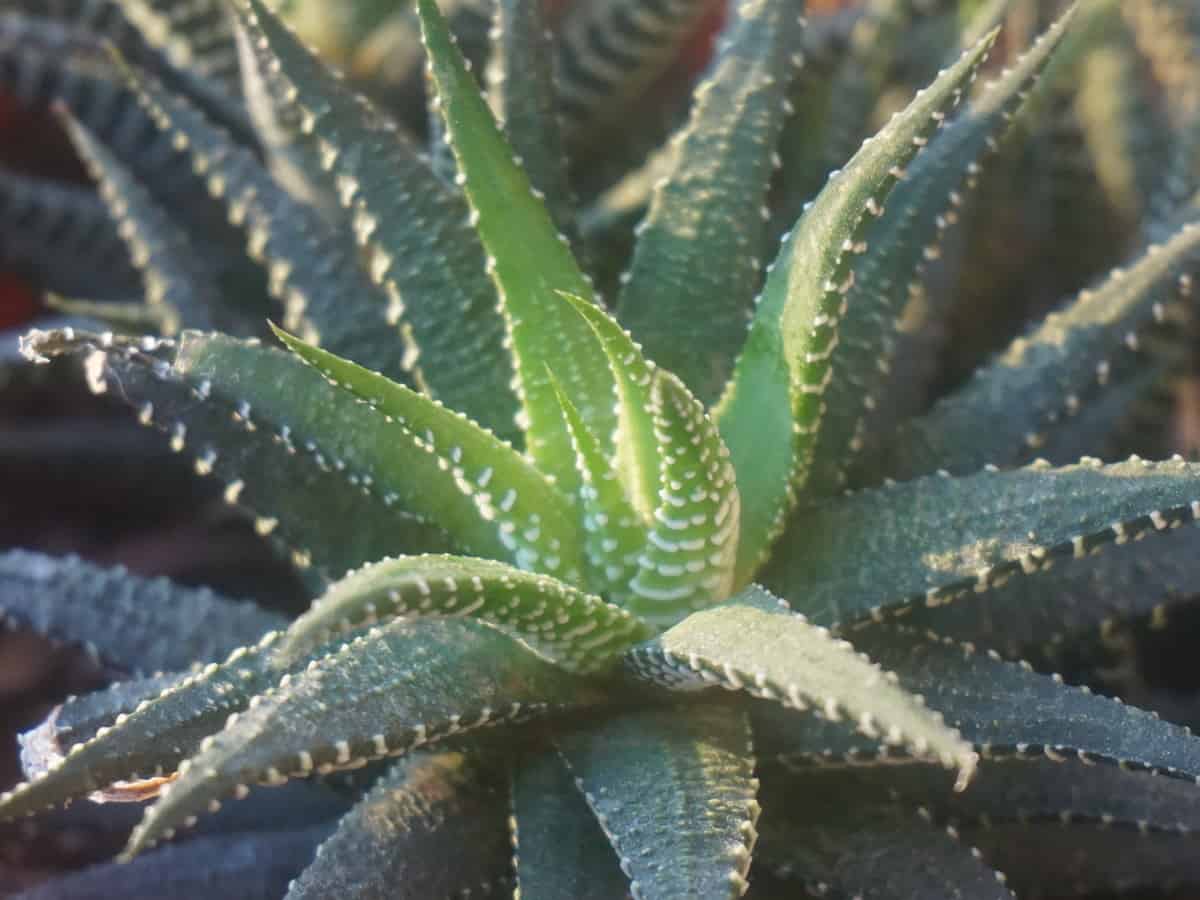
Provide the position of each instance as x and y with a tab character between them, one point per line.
939	538
432	827
699	252
383	694
647	774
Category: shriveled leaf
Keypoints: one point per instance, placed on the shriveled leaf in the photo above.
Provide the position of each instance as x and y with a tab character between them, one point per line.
559	848
1046	376
383	694
402	214
770	415
699	250
406	838
754	644
573	629
142	625
529	262
938	538
646	774
273	431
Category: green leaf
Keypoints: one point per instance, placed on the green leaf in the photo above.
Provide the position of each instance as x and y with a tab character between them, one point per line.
409	833
60	236
274	432
688	560
609	52
136	757
487	496
774	402
558	846
573	629
613	532
647	774
313	270
241	864
383	694
141	625
938	538
176	287
1001	706
530	264
922	207
1074	599
845	851
1025	788
402	214
699	252
1048	375
756	645
522	94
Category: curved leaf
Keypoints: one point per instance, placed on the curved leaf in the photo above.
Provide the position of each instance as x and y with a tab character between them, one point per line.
382	694
880	551
699	249
771	412
405	838
569	627
647	774
754	644
142	625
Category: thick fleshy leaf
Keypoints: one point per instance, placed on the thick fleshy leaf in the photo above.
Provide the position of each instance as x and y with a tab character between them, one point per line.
530	263
1016	789
275	438
610	50
237	866
559	848
754	644
571	628
1002	706
314	270
142	625
406	838
486	495
176	287
771	412
139	753
843	851
1075	598
383	694
1046	376
938	538
922	206
522	93
44	223
402	214
688	560
699	249
613	532
646	775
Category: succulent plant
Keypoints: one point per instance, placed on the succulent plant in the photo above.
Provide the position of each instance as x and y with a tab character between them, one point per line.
540	543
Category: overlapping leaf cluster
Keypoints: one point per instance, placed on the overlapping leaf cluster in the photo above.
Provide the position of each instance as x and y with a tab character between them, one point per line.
545	517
